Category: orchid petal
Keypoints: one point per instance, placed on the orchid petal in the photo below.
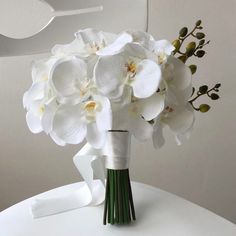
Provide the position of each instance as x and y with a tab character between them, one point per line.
164	46
181	121
68	126
57	140
151	107
95	137
41	69
157	137
66	77
73	48
182	79
143	38
89	36
121	119
35	92
48	115
137	51
33	122
109	73
128	118
117	45
116	94
104	117
123	99
147	79
140	128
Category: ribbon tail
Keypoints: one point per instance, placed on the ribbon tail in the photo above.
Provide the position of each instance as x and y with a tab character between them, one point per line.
89	163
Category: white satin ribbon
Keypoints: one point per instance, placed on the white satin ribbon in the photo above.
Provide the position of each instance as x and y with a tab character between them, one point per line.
90	164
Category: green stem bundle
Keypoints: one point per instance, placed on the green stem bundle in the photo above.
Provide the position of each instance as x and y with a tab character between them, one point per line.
119	206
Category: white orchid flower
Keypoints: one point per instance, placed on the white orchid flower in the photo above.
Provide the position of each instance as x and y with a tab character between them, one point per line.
40	77
179	119
41	69
90	120
87	43
142	38
134	117
178	115
177	81
40	113
163	49
69	78
129	68
40	98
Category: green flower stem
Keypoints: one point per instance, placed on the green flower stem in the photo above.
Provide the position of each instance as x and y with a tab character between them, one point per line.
182	39
118	200
201	46
131	198
106	202
203	90
127	198
112	197
121	219
200	94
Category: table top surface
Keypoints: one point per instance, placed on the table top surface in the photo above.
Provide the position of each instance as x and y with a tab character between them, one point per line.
158	213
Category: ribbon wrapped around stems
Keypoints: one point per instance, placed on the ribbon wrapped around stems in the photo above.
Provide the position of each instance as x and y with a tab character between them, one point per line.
90	164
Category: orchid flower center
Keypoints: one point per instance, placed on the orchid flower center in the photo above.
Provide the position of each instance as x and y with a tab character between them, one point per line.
168	110
131	70
41	109
95	46
83	87
90	108
131	67
44	78
161	57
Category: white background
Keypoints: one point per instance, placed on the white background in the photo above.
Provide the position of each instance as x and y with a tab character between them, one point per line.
203	170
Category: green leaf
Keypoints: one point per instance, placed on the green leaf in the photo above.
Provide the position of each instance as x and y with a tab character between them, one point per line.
176	44
200	35
201	42
214	96
193	69
204	108
198	23
191	46
183	58
190	52
183	32
200	53
203	89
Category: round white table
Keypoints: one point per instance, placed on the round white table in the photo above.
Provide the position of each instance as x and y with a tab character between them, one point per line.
158	213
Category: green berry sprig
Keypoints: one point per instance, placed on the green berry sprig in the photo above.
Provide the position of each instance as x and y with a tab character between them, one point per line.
195	47
192	48
212	93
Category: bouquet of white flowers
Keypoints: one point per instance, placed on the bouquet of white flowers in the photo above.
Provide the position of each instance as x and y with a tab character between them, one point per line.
101	84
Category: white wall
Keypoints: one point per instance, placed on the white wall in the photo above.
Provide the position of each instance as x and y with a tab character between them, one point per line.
203	170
